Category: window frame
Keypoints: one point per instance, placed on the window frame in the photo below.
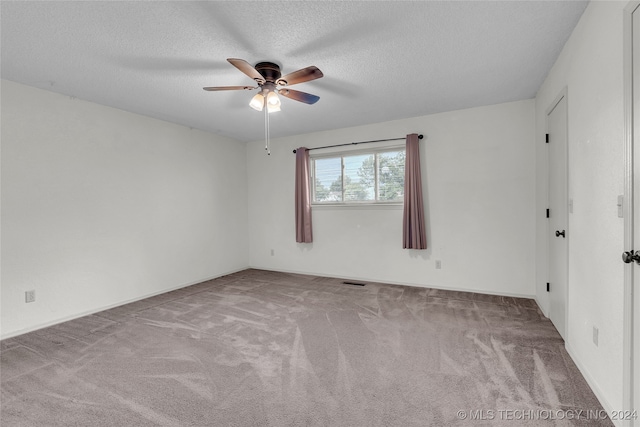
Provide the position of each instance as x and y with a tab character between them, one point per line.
347	153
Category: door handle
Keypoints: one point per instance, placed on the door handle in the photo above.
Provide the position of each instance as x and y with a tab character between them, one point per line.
630	256
560	233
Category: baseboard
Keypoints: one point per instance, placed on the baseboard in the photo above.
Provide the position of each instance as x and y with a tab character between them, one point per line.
594	386
392	282
107	307
540	306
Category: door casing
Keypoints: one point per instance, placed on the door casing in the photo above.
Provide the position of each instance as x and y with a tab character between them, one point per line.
631	317
558	253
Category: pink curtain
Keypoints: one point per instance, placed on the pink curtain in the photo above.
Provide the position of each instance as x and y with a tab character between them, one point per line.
413	228
303	197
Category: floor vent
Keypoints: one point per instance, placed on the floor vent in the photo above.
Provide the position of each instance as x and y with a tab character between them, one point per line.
353	283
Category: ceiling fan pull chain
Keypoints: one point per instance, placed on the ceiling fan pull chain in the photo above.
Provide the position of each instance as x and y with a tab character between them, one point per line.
266	128
268	134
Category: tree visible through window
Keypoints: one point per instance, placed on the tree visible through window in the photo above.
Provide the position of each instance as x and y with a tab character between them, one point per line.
369	177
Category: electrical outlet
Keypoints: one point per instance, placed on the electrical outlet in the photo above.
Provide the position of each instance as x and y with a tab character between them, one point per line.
595	336
29	296
273	252
438	264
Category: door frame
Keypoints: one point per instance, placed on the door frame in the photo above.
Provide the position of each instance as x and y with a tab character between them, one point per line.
627	209
562	94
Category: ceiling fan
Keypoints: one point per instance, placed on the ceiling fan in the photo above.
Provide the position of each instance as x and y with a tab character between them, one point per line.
272	83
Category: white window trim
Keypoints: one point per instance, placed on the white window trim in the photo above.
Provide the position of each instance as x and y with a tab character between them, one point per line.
358	205
354	151
348	151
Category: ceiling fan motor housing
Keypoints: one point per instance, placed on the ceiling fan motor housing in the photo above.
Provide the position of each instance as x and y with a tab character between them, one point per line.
268	70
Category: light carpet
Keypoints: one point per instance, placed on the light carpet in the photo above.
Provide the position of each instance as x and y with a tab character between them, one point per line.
261	348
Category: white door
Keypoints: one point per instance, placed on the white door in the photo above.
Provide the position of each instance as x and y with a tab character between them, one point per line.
558	237
635	310
631	211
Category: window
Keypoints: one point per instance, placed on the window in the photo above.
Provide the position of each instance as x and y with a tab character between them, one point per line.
362	177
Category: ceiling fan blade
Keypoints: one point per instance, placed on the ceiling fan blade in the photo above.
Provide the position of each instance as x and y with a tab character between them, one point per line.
300	76
215	88
305	97
246	68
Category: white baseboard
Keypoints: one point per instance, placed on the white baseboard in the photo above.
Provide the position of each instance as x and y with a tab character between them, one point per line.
107	307
541	307
594	386
393	282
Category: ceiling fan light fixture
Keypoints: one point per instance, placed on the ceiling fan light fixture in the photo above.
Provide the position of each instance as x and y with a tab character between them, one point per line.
273	102
257	102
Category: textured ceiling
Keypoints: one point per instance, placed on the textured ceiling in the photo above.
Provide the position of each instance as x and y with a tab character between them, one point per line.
381	60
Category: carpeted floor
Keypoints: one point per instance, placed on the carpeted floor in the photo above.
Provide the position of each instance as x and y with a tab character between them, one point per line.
260	348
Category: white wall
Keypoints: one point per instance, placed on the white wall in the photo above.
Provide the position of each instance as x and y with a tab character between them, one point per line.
479	191
590	66
101	207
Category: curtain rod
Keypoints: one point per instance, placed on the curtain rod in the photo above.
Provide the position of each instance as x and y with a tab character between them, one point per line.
356	143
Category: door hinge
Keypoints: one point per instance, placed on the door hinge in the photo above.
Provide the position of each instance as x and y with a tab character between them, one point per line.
546	138
547	213
620	206
548	286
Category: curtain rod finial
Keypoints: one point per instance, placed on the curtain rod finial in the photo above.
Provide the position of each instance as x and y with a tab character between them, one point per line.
420	136
295	151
